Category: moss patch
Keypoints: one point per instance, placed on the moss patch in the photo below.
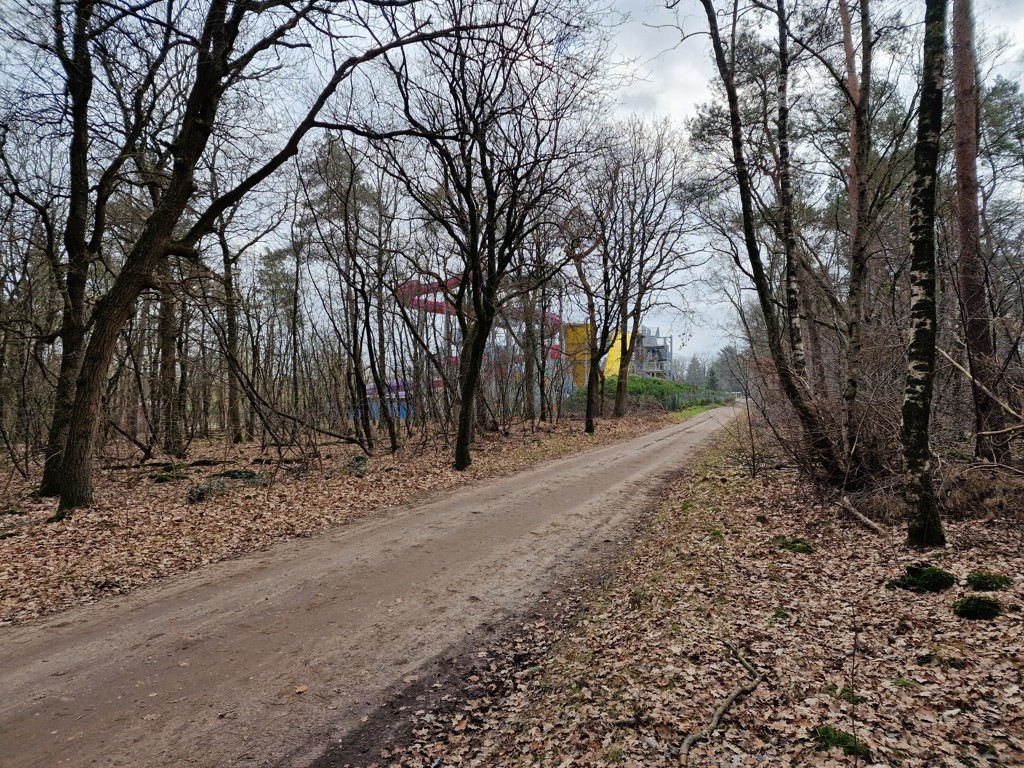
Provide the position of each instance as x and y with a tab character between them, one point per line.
845	694
206	491
945	656
829	737
793	544
922	577
357	466
977	608
988	582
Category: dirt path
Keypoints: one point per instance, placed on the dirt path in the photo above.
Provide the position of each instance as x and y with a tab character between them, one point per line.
267	660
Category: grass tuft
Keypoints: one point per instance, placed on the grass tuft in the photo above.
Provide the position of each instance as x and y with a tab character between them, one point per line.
205	491
793	544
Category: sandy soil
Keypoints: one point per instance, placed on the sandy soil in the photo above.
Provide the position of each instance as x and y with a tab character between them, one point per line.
271	659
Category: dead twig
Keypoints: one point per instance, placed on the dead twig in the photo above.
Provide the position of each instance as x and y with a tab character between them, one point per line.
846	506
740	690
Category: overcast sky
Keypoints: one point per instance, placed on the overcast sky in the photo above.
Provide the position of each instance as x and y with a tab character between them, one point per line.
675	78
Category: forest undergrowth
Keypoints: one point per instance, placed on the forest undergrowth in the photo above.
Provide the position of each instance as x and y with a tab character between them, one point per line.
756	591
161	518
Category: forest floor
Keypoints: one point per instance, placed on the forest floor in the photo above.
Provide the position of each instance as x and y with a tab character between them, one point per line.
143	526
844	671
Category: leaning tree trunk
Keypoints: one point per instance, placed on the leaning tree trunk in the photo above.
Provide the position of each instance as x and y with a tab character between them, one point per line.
823	452
974	307
114	311
924	526
111	315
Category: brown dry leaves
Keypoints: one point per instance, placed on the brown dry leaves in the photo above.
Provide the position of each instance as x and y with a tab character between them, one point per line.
140	530
645	664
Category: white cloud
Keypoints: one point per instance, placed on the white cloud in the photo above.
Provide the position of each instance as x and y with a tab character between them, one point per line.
674	73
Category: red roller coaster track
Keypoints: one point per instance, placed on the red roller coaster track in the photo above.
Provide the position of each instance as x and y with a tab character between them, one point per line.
411	293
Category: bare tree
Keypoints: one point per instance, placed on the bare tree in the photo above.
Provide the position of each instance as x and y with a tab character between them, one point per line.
488	120
829	460
165	71
642	227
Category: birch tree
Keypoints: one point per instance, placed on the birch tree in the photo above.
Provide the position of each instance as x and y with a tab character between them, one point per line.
924	526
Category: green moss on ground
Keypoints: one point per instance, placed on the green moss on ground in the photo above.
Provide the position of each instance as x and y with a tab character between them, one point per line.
829	737
922	577
983	581
845	694
793	544
977	608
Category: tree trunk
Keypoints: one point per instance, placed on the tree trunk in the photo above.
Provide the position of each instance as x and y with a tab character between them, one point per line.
593	393
110	317
473	349
626	342
793	302
78	70
181	405
235	432
924	526
375	357
72	350
859	94
530	357
974	306
167	410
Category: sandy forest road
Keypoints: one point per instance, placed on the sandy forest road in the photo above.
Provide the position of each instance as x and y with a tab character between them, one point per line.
267	660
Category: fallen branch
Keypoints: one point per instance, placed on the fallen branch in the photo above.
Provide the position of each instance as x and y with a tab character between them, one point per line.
992	395
846	506
737	692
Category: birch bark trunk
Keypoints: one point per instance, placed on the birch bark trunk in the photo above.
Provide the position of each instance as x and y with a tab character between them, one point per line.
924	528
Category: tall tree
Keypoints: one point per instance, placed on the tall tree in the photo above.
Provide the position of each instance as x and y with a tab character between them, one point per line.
924	525
974	302
640	221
